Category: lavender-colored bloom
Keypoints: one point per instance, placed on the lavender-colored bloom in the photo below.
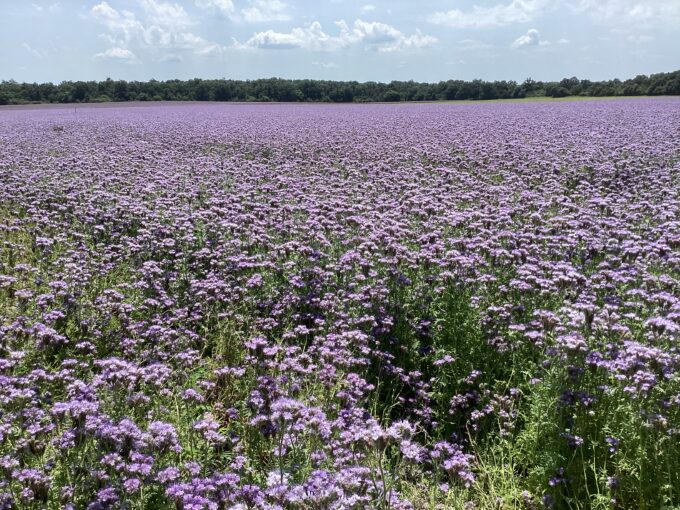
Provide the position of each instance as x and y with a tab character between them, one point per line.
234	306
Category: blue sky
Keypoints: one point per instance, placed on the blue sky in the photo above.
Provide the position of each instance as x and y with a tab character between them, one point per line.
50	40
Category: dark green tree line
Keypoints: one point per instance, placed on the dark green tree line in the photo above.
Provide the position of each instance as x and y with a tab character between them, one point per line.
277	89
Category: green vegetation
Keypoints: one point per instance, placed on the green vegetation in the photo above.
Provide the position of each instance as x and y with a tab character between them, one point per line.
277	89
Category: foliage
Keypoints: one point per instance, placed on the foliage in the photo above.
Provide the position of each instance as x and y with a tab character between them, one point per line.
280	90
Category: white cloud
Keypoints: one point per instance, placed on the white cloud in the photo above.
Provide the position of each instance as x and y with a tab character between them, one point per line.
326	65
121	26
36	53
384	37
372	35
297	38
255	11
629	13
120	54
259	11
224	7
52	8
165	14
161	33
637	12
517	11
367	8
531	38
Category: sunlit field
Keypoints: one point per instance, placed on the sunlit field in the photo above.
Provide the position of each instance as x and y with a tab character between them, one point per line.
310	307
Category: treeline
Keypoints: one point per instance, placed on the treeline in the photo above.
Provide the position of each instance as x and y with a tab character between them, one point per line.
276	89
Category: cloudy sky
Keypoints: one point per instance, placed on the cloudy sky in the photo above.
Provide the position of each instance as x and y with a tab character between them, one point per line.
50	40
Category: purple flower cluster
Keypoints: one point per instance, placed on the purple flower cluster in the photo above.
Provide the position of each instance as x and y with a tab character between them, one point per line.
338	306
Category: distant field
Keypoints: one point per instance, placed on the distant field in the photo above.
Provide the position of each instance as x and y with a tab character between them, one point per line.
361	306
548	99
462	101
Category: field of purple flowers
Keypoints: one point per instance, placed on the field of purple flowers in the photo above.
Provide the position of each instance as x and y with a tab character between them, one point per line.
341	307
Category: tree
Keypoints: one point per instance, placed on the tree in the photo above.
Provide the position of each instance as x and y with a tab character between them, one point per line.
120	91
556	90
391	95
277	89
80	91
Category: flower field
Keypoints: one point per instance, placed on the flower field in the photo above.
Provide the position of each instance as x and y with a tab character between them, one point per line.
341	307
